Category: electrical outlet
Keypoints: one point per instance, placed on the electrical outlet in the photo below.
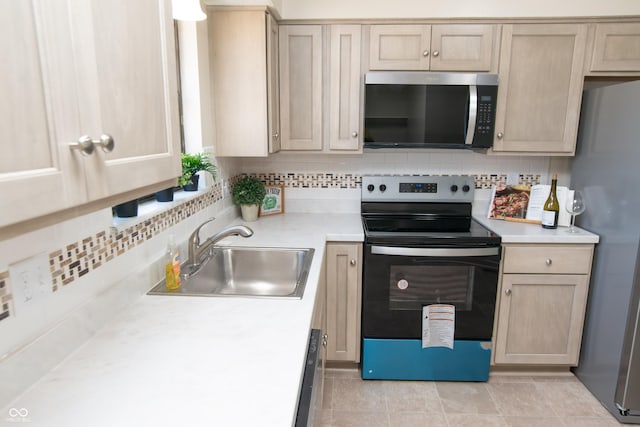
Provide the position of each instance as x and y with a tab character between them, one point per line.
30	280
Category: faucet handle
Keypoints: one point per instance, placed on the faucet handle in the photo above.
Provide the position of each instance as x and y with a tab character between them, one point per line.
195	236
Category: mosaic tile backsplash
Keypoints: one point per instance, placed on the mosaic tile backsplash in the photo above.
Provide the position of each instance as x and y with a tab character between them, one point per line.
80	258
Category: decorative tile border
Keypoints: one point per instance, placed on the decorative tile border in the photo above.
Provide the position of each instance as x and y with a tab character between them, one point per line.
6	301
354	181
80	258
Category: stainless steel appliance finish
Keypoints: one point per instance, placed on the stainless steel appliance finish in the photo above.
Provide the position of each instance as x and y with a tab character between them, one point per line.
422	247
310	400
606	170
246	271
429	110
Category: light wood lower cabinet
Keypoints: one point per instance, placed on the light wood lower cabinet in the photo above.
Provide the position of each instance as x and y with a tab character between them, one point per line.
540	313
344	290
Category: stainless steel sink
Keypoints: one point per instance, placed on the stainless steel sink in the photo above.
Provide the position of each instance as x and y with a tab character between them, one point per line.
244	271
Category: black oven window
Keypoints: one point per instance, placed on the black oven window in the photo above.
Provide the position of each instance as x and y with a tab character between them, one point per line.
411	287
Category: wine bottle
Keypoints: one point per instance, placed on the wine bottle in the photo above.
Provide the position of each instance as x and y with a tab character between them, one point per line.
551	208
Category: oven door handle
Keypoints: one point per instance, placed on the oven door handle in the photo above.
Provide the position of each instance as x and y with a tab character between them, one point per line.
434	252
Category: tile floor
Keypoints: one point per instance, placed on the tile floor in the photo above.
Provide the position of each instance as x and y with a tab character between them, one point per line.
520	401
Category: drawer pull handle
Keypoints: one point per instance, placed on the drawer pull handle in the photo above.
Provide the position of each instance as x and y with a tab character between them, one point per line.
507	292
548	261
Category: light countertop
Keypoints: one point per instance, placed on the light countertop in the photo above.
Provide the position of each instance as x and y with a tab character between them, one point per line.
195	361
517	232
211	361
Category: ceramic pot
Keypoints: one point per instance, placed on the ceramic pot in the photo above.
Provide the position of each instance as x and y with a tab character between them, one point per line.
194	184
127	209
165	195
250	212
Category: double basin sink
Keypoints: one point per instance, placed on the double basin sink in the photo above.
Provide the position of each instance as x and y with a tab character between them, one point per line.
246	271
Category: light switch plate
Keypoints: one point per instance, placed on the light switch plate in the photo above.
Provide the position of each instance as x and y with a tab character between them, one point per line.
30	281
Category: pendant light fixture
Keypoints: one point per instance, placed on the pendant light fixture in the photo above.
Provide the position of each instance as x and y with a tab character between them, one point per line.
188	10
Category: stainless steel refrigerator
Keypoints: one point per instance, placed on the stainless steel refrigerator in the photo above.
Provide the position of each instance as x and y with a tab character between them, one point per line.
607	169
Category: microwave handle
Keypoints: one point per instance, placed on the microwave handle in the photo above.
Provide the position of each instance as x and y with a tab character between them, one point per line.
434	252
473	114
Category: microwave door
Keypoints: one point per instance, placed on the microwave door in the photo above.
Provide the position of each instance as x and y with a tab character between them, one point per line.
473	114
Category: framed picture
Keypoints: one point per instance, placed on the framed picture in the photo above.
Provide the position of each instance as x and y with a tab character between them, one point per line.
273	202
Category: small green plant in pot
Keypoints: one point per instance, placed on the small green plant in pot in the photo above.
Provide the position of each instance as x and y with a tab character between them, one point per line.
191	165
249	192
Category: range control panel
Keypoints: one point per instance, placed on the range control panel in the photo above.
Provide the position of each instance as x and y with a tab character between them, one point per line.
417	188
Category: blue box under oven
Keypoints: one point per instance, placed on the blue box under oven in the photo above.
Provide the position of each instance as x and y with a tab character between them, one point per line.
405	359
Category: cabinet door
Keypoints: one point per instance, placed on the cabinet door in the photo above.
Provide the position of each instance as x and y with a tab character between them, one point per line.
462	47
301	87
540	88
38	175
273	86
127	81
238	56
616	47
540	319
399	47
344	276
344	83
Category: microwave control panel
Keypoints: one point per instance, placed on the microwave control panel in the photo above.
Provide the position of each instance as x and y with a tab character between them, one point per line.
486	116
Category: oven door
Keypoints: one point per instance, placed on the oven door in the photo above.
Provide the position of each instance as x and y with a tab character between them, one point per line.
399	281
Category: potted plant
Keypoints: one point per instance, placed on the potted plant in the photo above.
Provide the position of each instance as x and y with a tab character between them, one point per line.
249	192
191	165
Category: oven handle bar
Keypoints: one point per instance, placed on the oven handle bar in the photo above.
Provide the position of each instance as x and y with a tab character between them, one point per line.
434	252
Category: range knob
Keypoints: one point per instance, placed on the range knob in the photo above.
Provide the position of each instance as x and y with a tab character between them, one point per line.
454	188
371	187
466	188
383	188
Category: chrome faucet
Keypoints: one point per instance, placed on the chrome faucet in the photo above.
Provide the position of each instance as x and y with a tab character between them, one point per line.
196	250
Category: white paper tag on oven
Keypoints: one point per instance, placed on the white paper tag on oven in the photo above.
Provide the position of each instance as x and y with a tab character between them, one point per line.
438	325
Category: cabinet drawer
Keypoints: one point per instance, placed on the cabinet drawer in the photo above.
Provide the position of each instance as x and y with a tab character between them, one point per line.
548	259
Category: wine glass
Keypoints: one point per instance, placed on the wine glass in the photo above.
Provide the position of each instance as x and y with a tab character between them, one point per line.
575	206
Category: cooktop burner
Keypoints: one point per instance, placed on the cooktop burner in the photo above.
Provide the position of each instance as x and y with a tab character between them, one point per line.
420	210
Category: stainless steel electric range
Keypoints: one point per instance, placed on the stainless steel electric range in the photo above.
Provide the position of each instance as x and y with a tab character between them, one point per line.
422	247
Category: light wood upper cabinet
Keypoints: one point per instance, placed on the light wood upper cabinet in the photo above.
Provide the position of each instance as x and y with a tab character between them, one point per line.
85	68
344	293
344	86
128	85
451	47
540	88
616	47
243	54
542	303
301	87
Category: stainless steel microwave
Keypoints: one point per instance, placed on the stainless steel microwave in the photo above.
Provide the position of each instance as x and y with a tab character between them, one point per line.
429	110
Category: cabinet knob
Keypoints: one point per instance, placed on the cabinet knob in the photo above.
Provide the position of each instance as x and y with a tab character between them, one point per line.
499	135
87	146
425	53
352	262
276	135
325	338
548	261
105	142
84	145
507	291
354	134
436	52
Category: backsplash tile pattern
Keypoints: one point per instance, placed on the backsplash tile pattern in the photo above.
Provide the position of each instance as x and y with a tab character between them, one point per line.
79	258
354	181
6	301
